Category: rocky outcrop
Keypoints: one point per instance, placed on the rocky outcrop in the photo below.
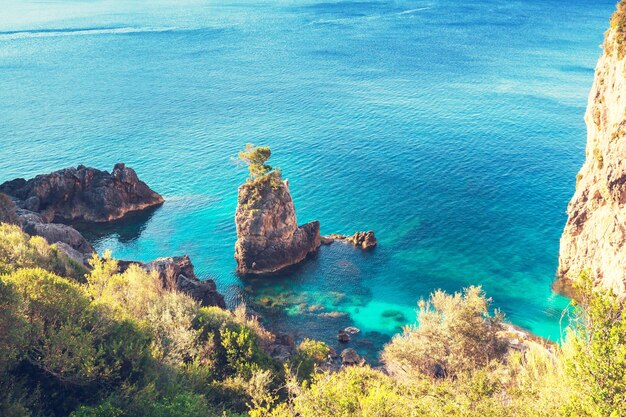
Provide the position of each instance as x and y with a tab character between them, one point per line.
177	273
268	235
595	234
363	240
83	194
56	232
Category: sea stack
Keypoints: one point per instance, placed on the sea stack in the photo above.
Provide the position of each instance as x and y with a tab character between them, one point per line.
268	235
595	234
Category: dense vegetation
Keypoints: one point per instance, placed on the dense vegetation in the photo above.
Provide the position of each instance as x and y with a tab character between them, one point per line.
104	343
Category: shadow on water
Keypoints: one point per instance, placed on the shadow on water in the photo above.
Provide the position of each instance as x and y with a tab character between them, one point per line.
126	230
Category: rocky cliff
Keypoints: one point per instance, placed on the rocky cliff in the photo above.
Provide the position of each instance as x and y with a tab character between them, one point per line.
83	194
595	234
268	235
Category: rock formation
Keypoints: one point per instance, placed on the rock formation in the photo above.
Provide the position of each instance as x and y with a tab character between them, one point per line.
595	234
268	235
363	240
83	194
177	273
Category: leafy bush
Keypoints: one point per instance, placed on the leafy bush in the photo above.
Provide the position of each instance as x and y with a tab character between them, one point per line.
19	250
456	333
310	354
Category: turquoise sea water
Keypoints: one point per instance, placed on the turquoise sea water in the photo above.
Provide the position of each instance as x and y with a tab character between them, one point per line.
454	131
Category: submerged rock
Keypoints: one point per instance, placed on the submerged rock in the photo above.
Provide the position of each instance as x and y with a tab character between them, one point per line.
352	330
595	234
83	194
268	235
343	336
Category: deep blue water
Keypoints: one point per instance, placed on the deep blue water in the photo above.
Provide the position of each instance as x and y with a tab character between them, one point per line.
454	130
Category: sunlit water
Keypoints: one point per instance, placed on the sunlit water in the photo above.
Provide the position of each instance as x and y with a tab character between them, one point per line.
453	130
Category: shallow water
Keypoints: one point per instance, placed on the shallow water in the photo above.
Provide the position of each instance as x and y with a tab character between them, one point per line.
455	132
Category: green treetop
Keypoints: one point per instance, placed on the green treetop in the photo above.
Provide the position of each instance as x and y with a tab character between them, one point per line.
256	159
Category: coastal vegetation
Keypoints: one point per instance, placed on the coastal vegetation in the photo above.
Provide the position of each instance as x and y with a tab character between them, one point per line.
105	343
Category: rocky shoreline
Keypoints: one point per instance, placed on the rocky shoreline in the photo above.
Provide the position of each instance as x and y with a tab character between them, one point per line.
269	238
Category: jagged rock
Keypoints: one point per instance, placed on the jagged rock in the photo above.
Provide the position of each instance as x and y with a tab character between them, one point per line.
83	194
268	235
595	233
350	357
178	273
55	232
363	240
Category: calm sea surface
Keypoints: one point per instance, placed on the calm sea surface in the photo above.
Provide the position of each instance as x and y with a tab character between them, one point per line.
454	130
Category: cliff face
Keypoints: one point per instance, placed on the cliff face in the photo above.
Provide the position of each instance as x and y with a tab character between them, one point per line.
83	194
268	235
595	233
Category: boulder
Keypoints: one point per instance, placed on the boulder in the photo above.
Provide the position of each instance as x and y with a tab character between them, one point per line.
363	240
268	236
349	357
55	232
83	194
73	254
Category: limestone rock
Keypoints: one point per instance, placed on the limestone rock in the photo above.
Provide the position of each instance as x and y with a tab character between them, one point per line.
55	232
268	235
363	240
595	233
83	194
178	273
73	254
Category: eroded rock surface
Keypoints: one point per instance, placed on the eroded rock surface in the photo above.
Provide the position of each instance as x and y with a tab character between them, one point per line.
268	235
595	234
177	273
83	194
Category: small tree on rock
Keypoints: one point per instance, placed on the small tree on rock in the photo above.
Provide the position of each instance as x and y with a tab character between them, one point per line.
256	159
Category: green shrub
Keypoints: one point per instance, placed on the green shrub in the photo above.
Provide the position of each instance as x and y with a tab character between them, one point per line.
456	333
19	250
310	354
